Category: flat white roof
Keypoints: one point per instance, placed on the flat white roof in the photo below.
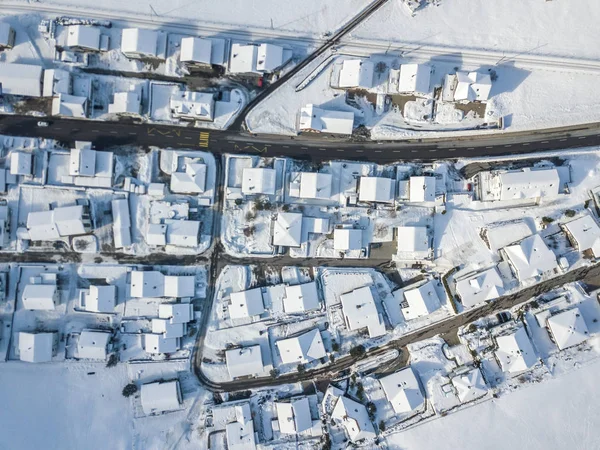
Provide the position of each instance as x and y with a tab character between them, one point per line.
243	58
157	343
326	121
515	351
287	229
422	189
531	257
183	233
568	328
347	239
414	78
377	189
412	239
269	57
92	344
84	37
480	287
586	234
180	286
245	361
196	50
294	417
21	79
258	180
167	329
361	312
470	386
402	390
300	298
304	348
176	312
101	299
421	301
356	73
315	185
160	397
527	183
139	41
39	296
36	347
246	304
354	418
128	102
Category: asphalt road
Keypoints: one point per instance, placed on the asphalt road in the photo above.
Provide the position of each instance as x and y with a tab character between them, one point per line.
313	147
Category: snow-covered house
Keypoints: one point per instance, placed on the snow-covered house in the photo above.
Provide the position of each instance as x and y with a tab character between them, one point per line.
158	344
244	361
479	287
93	344
167	329
160	397
126	103
7	36
470	386
21	163
269	58
347	239
315	185
471	86
196	51
153	284
301	298
69	106
356	73
422	189
190	105
318	120
414	79
287	230
240	433
294	417
376	189
57	81
57	223
360	312
21	79
353	416
100	299
422	301
413	242
183	233
529	184
584	235
258	180
568	328
37	347
140	43
192	180
530	258
252	58
41	293
302	349
176	312
89	167
246	304
82	38
121	222
515	352
403	390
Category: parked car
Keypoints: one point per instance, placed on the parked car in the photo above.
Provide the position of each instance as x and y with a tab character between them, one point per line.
43	123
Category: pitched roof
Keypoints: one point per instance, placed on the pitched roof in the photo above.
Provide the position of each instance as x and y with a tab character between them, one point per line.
470	386
326	120
139	41
531	257
304	348
356	73
269	57
480	287
347	239
377	189
301	298
414	78
568	328
528	183
240	433
244	361
361	312
586	234
36	347
422	189
354	418
195	49
287	230
402	390
422	301
160	397
258	180
101	298
315	185
246	304
515	351
294	417
92	344
157	343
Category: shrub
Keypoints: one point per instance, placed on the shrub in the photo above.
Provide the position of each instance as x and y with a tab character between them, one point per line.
274	373
113	359
301	368
358	351
129	390
382	425
547	220
238	201
335	346
570	213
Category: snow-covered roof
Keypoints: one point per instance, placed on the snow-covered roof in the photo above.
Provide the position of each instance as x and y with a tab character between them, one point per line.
531	257
195	50
315	185
515	352
40	296
193	105
92	344
101	299
377	189
294	417
480	287
21	79
129	102
422	189
421	301
360	311
20	163
69	105
160	397
347	239
354	418
414	78
287	229
244	361
180	286
183	233
139	42
402	390
7	35
527	183
121	222
243	58
585	233
56	81
472	86
470	386
269	57
191	181
412	239
303	348
82	161
83	37
300	298
258	180
50	225
325	120
156	234
176	312
157	343
568	328
356	73
36	347
246	304
240	434
167	329
154	284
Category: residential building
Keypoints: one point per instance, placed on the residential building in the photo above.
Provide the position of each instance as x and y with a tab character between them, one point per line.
7	36
315	185
69	106
421	301
356	73
253	58
258	180
584	235
301	298
246	304
158	344
57	223
568	328
37	347
168	329
529	184
302	349
21	163
89	167
140	43
153	284
244	361
361	312
515	352
99	299
422	189
176	312
414	79
403	391
347	239
240	433
82	38
377	189
318	120
196	51
192	180
41	293
126	103
121	222
472	86
530	258
294	417
160	397
21	79
413	242
93	344
287	230
190	105
470	386
479	287
354	418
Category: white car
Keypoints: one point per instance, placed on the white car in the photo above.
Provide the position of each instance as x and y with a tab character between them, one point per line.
42	123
